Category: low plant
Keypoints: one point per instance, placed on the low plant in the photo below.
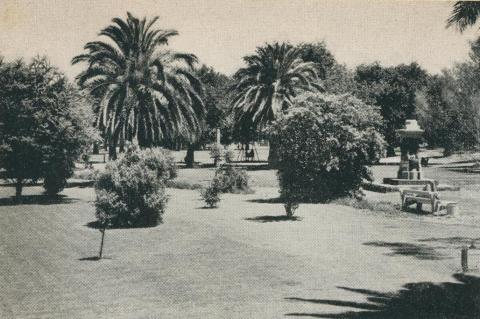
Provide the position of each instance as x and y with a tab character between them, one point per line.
211	195
182	185
231	179
86	174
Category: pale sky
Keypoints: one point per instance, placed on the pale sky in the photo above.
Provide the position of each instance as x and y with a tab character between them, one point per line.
220	33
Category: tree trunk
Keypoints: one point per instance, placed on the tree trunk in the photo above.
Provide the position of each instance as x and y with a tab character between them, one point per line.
96	148
122	141
101	243
112	151
18	188
190	157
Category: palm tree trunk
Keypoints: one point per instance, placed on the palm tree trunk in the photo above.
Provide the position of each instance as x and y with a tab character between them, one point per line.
96	148
190	158
122	141
273	154
112	150
18	188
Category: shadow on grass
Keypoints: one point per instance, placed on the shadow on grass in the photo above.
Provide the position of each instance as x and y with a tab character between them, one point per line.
419	251
270	219
97	225
276	200
36	200
421	300
93	258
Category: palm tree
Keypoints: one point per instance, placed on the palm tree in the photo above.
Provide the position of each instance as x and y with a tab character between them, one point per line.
266	87
146	93
464	14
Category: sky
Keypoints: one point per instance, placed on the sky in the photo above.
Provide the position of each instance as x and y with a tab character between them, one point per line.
220	33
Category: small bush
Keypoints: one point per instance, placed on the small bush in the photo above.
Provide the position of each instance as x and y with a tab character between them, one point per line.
182	185
211	195
324	146
86	174
230	179
131	191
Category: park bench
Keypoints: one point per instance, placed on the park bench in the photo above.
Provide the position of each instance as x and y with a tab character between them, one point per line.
419	197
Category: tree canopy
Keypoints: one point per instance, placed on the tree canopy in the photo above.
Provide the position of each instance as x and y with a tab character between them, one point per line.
44	124
394	90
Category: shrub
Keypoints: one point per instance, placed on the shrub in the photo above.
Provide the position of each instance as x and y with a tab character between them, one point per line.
211	194
131	191
324	144
86	174
230	179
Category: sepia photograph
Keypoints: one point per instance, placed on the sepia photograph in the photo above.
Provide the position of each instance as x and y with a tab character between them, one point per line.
239	159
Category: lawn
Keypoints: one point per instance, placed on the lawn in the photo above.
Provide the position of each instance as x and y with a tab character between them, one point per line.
238	261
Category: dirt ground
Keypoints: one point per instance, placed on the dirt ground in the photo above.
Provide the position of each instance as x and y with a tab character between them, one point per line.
242	260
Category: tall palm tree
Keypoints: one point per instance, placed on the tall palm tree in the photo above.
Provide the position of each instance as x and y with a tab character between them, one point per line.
266	87
146	93
464	14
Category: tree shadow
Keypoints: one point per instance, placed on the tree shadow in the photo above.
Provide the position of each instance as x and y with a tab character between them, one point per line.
37	200
93	258
422	300
270	219
419	251
276	200
97	225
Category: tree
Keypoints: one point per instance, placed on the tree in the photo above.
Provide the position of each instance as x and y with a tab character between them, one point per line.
267	85
333	77
464	14
448	108
325	143
394	90
148	94
44	127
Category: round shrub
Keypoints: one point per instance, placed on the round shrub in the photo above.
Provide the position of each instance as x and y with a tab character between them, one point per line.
230	179
324	144
131	191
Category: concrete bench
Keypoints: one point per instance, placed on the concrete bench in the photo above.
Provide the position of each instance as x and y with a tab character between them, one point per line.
418	197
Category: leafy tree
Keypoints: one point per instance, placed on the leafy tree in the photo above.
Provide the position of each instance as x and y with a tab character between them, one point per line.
148	94
325	143
394	90
43	124
448	108
333	77
318	54
266	86
464	14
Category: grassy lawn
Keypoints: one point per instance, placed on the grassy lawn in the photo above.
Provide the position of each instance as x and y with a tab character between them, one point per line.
238	261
